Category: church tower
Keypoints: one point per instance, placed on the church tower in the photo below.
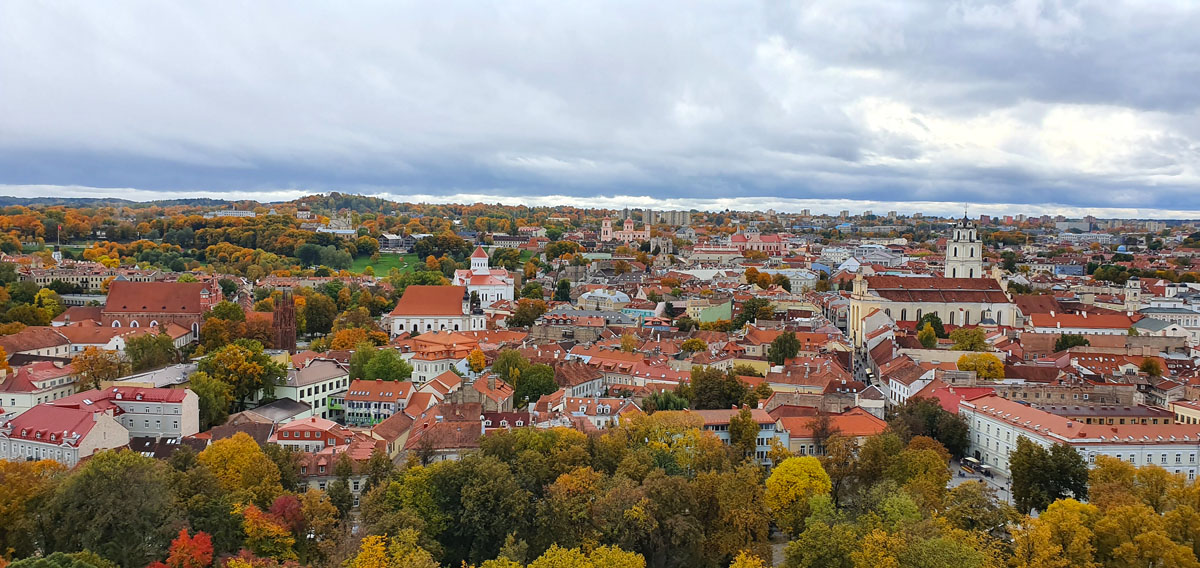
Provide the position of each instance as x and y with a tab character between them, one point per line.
964	251
479	261
606	230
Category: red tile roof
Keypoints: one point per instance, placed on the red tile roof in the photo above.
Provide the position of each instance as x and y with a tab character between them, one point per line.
168	297
431	301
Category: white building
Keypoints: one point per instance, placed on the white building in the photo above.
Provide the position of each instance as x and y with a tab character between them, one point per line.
315	384
490	285
63	434
995	423
33	384
717	422
430	308
964	252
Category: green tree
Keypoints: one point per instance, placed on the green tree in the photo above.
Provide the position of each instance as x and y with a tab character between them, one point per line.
319	313
921	416
784	347
532	290
562	291
1069	340
213	397
509	365
711	388
151	351
388	365
934	320
117	505
536	381
526	313
1151	367
1041	477
226	310
753	309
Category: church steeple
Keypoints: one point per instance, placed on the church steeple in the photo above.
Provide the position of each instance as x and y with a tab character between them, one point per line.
964	251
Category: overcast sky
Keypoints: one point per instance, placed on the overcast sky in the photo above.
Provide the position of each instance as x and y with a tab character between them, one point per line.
1055	105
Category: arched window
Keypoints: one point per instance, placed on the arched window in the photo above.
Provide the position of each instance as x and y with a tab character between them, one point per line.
955	252
999	318
970	273
116	324
888	311
153	323
966	318
133	323
455	327
918	314
951	318
903	315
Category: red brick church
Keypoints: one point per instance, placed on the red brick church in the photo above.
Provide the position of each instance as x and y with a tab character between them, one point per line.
145	304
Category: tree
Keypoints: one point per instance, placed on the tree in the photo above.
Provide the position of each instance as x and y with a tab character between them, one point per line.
243	469
476	360
26	486
245	368
363	353
753	309
118	505
339	490
783	347
28	315
790	487
265	536
151	351
927	336
693	345
379	470
985	365
401	551
226	310
973	506
533	383
388	365
969	339
1061	536
1151	367
93	365
663	400
822	428
629	343
935	321
527	312
1041	477
743	433
213	398
711	388
509	365
532	290
1069	340
319	313
920	416
189	551
562	291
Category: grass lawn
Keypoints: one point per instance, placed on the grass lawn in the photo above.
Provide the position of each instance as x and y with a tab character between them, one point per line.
387	261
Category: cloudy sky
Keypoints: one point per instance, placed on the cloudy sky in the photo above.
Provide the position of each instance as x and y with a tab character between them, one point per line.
1023	105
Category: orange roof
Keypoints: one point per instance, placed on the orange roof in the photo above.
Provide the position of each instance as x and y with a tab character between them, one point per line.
431	301
854	422
168	297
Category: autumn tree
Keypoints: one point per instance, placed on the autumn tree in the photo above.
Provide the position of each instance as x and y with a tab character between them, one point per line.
476	360
629	343
25	487
188	551
94	365
790	487
969	339
527	312
985	365
927	336
245	368
243	469
693	345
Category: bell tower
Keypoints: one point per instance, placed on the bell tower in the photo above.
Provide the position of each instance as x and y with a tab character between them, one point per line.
964	251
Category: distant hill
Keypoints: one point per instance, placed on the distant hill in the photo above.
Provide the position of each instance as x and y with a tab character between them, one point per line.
8	200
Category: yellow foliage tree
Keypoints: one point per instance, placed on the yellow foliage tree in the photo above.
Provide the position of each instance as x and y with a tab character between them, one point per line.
789	488
747	560
1061	537
985	365
401	551
243	469
476	360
